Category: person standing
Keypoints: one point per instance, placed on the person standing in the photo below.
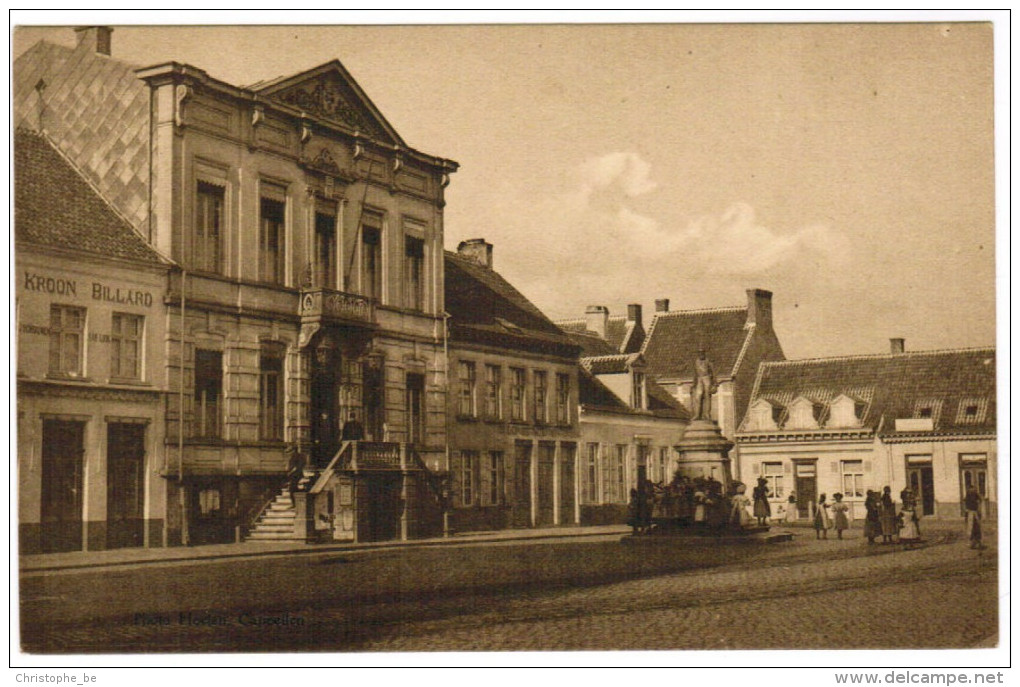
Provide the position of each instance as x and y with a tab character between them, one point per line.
872	519
739	516
791	507
887	515
839	517
972	503
353	430
822	521
909	533
762	509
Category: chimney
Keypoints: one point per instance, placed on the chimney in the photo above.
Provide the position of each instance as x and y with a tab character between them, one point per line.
759	308
896	345
597	316
662	305
96	38
634	313
476	250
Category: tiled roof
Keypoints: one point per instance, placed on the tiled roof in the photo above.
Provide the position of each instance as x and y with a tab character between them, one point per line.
591	343
674	339
595	395
96	110
55	207
609	364
956	386
485	308
616	331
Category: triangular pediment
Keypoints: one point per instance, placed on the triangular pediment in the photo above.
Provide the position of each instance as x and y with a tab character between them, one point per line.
330	93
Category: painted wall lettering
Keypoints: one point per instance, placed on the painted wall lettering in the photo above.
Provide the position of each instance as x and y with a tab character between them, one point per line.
39	282
101	292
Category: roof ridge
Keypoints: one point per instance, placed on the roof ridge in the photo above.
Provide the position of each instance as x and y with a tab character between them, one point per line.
699	311
608	357
876	356
576	320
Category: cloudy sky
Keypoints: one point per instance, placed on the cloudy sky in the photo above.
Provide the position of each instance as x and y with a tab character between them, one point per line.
847	168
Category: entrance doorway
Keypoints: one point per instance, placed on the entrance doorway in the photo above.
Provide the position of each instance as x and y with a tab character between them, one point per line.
63	457
974	471
921	480
806	486
546	495
125	485
568	457
383	507
520	509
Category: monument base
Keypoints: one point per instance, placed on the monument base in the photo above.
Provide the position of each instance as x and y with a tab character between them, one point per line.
704	452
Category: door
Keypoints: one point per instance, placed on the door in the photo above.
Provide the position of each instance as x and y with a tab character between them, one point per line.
63	456
325	404
806	486
921	480
125	485
977	475
546	485
568	457
520	515
383	506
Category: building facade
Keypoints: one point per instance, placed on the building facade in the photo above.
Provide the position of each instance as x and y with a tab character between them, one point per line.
512	406
307	288
922	420
90	329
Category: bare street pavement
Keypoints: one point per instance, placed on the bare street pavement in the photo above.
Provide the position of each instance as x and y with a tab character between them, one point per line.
564	593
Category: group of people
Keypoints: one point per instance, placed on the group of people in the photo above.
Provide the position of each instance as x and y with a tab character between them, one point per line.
698	502
882	519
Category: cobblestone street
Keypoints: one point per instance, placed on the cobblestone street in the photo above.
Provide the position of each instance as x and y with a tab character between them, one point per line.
561	594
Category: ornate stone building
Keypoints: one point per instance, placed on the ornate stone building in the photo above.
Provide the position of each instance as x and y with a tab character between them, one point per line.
307	285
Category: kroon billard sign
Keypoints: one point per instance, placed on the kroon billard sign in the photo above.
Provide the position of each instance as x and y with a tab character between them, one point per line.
60	286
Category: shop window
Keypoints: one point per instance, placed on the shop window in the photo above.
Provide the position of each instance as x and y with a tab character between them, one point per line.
853	478
208	394
517	389
773	474
125	346
208	240
67	338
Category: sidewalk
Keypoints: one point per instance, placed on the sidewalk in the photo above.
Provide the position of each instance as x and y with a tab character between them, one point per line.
47	562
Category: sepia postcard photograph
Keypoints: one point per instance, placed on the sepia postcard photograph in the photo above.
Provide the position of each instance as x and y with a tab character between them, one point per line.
351	338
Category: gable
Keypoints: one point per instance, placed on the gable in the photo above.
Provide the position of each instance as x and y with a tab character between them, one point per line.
330	93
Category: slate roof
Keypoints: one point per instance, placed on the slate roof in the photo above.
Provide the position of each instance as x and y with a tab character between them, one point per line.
893	386
620	336
54	206
591	344
674	339
594	395
486	308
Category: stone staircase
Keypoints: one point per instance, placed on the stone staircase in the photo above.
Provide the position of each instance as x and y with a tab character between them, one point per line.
276	523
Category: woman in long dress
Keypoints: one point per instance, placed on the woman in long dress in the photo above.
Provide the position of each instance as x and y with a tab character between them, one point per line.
739	516
791	507
872	519
887	516
839	511
822	521
909	532
762	509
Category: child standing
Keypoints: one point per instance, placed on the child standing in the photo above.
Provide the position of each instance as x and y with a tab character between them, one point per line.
839	511
822	522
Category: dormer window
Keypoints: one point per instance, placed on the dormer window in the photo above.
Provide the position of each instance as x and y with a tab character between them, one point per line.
763	416
638	391
843	412
971	411
803	414
924	412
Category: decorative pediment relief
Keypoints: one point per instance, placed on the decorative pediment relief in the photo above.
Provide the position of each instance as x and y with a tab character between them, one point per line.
328	97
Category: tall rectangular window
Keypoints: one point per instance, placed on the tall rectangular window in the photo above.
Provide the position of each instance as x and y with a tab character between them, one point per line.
325	250
493	479
563	399
271	392
414	277
466	476
208	392
493	391
541	380
664	467
773	474
466	388
371	256
589	476
638	391
620	474
67	339
517	388
126	346
272	213
853	478
207	250
415	408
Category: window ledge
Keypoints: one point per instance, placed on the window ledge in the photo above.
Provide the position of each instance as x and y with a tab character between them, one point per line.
467	418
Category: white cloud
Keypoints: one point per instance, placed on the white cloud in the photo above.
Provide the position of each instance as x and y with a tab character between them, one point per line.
627	171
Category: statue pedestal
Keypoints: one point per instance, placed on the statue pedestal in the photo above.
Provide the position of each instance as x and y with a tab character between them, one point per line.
704	452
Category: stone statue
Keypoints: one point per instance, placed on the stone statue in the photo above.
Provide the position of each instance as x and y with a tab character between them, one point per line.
704	387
